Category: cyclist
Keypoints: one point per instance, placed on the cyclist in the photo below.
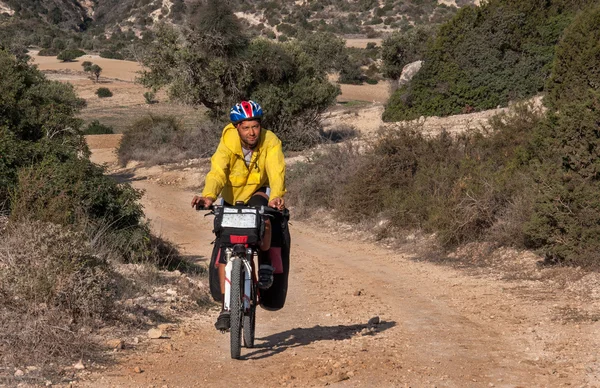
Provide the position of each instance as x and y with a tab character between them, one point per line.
248	166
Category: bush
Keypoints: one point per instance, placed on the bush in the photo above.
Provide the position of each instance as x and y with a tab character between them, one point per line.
566	214
321	179
69	55
111	54
104	92
512	63
96	128
162	139
71	191
149	97
402	48
48	52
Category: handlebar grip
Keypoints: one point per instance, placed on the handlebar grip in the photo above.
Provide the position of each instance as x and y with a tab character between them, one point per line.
200	206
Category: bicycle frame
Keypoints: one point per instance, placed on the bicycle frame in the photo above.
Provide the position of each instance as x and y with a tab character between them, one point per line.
249	279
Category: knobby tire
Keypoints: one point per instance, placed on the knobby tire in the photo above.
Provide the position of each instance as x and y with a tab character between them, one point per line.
236	305
250	321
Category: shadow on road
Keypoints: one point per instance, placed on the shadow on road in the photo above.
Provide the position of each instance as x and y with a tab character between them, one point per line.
280	342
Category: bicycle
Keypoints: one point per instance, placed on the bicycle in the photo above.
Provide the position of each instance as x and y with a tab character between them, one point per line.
240	229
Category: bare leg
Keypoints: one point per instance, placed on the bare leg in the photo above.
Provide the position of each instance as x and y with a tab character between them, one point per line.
222	278
265	244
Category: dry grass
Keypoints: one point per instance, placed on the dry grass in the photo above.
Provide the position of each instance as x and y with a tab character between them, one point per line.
163	139
54	290
60	292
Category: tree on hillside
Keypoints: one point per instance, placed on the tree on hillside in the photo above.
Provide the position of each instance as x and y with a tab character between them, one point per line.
204	65
87	66
212	63
96	71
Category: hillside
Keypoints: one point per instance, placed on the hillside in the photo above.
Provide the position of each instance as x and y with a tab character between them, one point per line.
268	18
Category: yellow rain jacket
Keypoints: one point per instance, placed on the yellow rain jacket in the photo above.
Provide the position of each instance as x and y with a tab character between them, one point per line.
229	175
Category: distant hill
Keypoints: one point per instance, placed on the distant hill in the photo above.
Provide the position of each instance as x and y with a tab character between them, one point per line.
279	16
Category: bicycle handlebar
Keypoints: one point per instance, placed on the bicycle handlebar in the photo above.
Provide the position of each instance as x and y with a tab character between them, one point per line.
267	209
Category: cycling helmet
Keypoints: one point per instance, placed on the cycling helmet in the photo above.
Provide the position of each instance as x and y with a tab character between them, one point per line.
245	110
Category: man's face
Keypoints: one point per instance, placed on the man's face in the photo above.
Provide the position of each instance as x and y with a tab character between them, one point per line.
249	133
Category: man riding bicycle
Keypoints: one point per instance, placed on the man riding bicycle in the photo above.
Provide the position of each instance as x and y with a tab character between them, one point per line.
248	166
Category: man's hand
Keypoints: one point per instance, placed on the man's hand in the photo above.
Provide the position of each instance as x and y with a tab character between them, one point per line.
202	202
277	203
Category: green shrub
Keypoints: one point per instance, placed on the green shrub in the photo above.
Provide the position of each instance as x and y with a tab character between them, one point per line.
402	48
104	92
162	139
351	74
96	128
289	83
111	54
69	191
48	52
566	215
511	63
69	55
149	97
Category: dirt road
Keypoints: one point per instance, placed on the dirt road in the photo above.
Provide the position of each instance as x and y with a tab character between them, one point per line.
439	327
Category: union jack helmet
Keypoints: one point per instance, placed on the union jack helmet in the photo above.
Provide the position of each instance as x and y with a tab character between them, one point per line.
245	110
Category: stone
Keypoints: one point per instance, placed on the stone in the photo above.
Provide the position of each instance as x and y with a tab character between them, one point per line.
79	365
340	376
374	321
155	333
137	369
115	344
168	347
19	373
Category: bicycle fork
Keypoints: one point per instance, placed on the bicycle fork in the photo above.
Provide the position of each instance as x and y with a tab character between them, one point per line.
247	262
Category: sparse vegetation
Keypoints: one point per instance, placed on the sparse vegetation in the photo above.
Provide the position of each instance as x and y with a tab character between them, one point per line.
461	188
54	287
162	139
528	180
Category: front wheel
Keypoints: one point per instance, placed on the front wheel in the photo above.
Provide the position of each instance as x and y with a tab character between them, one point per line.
236	306
250	322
